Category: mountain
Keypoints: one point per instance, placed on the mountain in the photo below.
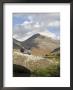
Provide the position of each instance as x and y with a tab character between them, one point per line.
56	51
40	41
16	44
39	44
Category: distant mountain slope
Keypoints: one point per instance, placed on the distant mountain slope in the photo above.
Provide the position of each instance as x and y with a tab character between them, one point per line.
40	41
16	44
56	51
39	44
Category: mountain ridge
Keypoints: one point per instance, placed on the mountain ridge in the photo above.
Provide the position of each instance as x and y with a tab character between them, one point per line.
38	44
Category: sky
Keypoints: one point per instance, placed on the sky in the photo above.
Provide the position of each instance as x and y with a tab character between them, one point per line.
27	24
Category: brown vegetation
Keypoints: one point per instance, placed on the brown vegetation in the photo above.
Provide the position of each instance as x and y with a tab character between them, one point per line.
41	67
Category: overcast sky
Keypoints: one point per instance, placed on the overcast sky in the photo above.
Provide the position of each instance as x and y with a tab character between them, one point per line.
27	24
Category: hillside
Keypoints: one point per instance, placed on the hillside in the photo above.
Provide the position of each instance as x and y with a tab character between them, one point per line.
56	51
39	44
25	65
16	44
37	64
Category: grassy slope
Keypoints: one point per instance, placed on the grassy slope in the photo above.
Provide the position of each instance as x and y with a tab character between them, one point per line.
41	67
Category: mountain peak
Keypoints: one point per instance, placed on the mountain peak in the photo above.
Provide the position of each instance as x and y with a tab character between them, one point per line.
36	35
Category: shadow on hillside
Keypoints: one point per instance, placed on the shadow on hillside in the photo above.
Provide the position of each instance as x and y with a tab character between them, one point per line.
20	71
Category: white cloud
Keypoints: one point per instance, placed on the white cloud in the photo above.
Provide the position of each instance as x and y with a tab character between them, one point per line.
36	23
48	34
54	24
26	22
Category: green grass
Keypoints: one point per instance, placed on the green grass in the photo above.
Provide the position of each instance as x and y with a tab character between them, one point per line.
51	71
